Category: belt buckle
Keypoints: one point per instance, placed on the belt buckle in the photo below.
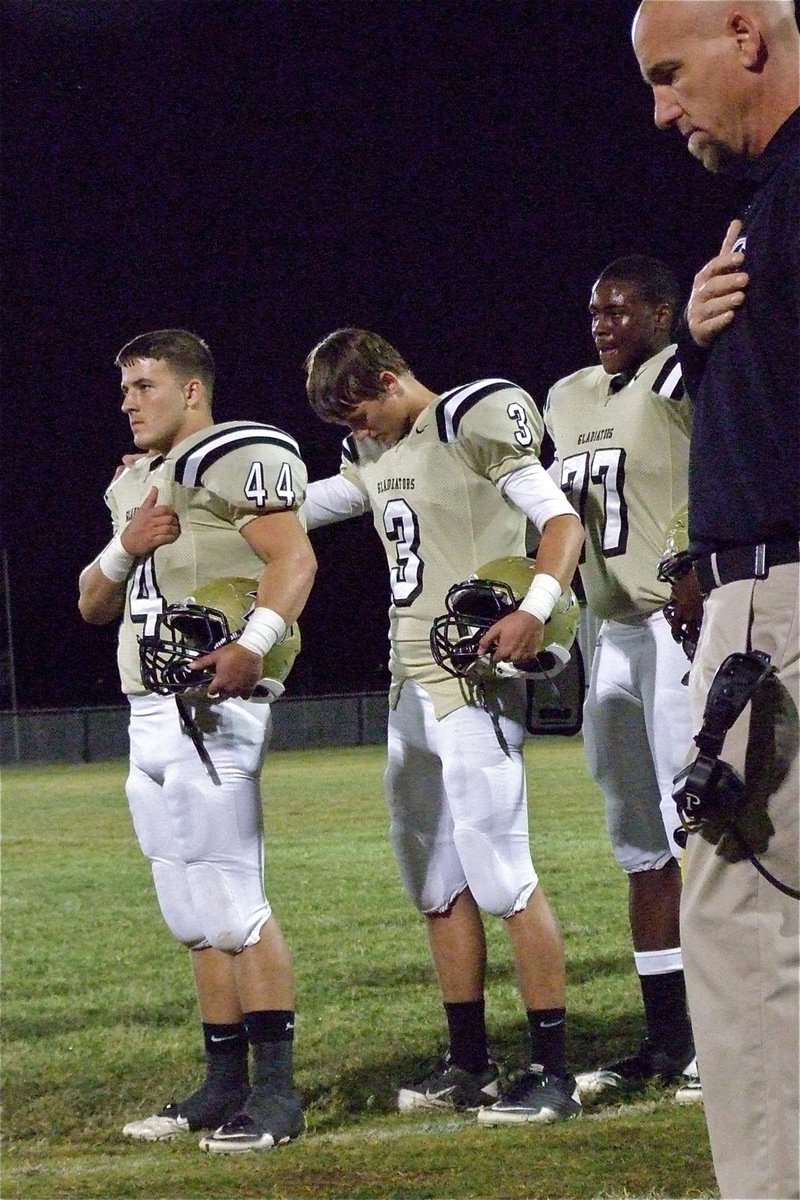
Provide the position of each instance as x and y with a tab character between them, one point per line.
760	564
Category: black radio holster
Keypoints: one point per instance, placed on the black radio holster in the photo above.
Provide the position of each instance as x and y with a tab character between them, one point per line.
709	791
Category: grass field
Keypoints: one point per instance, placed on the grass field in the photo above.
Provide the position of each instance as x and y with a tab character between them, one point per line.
100	1024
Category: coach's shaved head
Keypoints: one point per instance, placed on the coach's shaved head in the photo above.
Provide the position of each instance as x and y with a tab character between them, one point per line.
725	74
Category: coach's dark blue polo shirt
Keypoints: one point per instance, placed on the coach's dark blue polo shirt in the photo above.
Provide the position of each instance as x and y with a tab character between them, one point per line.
744	465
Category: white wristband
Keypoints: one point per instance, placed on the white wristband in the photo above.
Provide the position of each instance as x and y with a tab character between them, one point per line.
115	562
264	629
542	597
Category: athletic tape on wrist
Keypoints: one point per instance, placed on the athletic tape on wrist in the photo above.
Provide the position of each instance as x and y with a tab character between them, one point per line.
115	562
263	630
542	597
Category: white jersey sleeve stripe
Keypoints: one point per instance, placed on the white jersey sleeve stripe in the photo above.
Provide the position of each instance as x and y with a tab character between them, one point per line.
190	466
452	406
669	381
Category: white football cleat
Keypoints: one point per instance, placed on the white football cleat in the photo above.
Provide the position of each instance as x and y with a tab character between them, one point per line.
158	1128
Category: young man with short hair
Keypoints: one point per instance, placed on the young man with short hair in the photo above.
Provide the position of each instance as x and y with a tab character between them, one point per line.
205	502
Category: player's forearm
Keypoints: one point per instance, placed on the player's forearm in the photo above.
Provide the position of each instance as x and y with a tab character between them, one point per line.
287	580
100	599
560	549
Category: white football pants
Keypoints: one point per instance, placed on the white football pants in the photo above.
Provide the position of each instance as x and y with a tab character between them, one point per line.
204	839
458	805
637	732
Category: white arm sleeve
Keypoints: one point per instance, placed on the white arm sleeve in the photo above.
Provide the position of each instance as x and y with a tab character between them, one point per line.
554	471
533	491
331	500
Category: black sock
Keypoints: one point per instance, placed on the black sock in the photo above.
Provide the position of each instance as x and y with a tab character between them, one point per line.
226	1053
271	1035
467	1029
666	1014
548	1027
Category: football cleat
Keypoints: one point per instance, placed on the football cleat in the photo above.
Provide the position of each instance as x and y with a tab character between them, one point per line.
691	1090
215	615
204	1109
268	1119
449	1086
537	1096
479	602
648	1064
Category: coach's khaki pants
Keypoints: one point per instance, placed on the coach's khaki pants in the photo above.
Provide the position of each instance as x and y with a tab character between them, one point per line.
739	933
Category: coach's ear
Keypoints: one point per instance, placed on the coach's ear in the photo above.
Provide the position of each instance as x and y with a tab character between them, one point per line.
749	42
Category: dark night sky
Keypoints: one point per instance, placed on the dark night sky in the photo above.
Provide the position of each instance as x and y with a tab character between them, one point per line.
451	173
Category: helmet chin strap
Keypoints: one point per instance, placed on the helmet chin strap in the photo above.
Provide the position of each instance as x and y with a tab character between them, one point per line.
494	715
190	725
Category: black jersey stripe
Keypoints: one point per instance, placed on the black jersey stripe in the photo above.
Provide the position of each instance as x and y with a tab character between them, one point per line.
453	406
192	464
669	381
350	449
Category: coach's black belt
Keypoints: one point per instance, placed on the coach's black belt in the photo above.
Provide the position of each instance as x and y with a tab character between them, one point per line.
743	562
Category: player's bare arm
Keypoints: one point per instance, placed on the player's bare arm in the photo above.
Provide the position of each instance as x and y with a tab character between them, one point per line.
285	584
718	291
518	636
101	598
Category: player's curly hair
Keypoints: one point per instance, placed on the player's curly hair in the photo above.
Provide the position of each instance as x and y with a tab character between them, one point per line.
187	354
345	368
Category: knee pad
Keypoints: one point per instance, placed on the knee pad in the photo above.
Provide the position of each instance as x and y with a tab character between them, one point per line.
501	886
230	913
175	902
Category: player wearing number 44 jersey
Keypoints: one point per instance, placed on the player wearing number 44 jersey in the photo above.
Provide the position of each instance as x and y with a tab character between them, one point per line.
202	503
449	481
621	433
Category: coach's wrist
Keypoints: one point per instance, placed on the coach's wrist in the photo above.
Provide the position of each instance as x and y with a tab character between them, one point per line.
264	629
541	597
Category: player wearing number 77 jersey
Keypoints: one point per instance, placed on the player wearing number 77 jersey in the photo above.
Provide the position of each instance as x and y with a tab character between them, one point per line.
203	503
621	433
450	480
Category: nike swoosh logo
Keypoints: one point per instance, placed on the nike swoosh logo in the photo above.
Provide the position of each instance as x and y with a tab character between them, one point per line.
228	1037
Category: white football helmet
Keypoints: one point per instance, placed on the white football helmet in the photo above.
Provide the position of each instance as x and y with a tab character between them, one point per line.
214	615
475	605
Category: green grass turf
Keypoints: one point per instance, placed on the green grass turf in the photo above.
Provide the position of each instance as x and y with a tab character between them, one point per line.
100	1023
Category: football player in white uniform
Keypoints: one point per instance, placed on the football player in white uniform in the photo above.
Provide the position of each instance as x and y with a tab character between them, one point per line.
621	434
206	501
450	481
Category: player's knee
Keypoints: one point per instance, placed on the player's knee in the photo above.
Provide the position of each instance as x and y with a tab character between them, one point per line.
500	884
431	883
230	918
175	902
636	859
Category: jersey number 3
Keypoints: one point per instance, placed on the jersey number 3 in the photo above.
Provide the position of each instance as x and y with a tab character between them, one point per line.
401	528
607	468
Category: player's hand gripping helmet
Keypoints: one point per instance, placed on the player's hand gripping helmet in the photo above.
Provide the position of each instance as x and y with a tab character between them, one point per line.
675	561
475	605
684	609
214	615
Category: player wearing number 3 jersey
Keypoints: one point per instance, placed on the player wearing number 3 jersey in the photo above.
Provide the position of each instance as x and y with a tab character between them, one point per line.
449	481
202	503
